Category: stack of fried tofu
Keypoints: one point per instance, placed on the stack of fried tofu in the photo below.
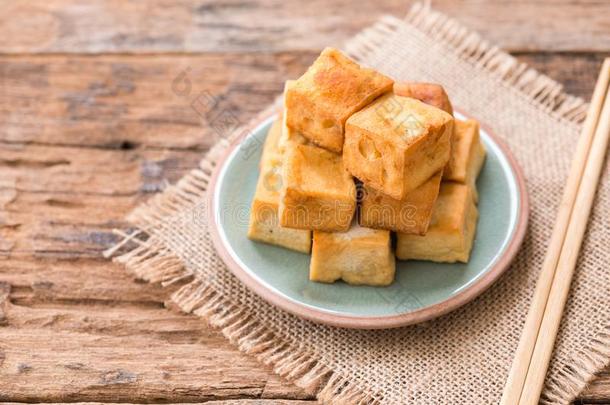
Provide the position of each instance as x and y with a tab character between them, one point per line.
355	157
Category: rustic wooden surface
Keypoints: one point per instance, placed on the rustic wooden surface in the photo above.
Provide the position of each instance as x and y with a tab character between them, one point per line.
92	123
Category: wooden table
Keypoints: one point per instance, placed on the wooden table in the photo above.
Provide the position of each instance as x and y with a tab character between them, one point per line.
92	123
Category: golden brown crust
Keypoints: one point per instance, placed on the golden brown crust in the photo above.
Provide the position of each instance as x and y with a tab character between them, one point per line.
360	256
272	141
451	231
397	143
289	136
467	155
332	89
317	192
264	215
411	215
474	168
463	146
429	93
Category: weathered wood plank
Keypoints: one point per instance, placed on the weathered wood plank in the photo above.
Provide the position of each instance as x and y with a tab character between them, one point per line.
95	172
131	101
98	335
65	201
53	213
127	102
98	281
213	402
271	25
53	365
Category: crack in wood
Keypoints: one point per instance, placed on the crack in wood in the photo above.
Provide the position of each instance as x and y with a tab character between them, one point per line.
118	377
5	290
113	146
44	300
33	164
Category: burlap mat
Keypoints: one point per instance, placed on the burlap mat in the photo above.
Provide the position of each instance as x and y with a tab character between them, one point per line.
463	357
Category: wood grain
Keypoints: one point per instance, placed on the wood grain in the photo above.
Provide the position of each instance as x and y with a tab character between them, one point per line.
64	202
160	101
212	402
123	102
99	336
63	26
95	117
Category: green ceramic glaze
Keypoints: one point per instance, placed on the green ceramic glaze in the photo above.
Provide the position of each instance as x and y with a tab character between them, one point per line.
417	285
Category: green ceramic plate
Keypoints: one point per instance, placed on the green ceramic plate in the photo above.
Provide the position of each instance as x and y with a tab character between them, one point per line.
421	291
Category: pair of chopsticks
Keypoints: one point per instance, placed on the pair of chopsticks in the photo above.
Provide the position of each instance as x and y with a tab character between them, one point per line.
529	368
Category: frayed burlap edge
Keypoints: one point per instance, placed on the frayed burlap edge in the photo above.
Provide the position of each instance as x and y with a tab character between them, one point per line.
539	90
152	261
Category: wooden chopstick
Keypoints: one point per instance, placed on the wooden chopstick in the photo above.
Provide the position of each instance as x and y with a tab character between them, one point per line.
558	296
525	350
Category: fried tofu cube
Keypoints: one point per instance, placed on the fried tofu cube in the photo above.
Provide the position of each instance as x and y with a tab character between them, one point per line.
396	144
451	231
358	256
429	93
467	155
410	215
271	145
333	88
264	223
317	192
289	136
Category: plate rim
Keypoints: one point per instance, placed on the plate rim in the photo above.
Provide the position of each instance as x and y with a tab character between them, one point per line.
313	314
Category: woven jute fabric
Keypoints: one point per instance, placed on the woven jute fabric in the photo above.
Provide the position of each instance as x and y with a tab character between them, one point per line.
463	357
